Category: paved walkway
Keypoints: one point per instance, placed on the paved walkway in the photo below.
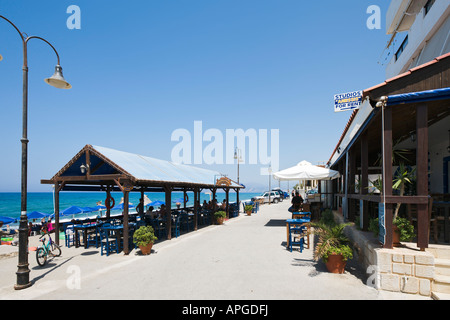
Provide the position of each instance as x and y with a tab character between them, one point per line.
244	259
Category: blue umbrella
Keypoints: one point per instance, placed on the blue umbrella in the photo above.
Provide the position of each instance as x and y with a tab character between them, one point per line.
120	207
157	203
180	200
7	220
98	208
73	210
37	215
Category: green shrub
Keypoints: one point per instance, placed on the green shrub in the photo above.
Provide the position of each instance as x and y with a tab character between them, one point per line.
248	207
345	250
327	218
144	235
406	229
220	214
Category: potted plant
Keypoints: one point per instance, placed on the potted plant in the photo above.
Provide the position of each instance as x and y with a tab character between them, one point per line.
332	246
248	209
144	237
403	231
220	216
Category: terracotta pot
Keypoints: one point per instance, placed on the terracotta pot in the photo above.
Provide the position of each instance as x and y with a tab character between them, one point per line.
249	213
146	250
336	263
396	236
219	220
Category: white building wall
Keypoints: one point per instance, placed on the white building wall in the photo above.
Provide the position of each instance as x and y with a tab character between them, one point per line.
428	38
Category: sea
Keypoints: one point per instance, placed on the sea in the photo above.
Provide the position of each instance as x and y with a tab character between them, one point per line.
44	201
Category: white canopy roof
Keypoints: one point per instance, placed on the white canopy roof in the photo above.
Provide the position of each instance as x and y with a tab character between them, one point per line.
306	171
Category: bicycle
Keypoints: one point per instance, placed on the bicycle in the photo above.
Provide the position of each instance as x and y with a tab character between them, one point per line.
47	249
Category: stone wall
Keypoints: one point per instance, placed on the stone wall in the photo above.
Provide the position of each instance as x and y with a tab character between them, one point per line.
405	269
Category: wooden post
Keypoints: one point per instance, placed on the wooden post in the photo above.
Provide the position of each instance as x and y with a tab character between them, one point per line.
184	199
213	190
422	174
126	248
196	203
351	184
227	191
387	177
364	182
168	191
108	210
237	200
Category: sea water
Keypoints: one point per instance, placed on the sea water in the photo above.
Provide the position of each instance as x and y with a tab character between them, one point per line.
44	201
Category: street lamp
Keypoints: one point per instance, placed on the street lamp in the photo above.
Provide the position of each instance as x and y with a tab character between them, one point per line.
270	180
58	81
237	155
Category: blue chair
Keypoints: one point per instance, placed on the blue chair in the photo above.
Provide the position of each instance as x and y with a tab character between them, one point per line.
69	235
160	228
176	227
93	239
301	215
108	243
297	237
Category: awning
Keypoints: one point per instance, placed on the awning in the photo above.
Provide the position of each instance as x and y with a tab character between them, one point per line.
306	171
414	97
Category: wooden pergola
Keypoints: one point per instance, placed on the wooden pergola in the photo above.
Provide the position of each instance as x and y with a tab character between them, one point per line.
426	101
102	169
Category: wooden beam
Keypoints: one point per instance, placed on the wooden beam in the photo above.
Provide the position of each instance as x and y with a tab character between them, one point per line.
196	203
126	247
168	191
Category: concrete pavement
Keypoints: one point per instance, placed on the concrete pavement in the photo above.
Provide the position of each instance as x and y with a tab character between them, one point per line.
244	259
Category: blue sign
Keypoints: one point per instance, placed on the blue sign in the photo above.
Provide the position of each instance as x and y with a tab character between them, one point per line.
347	101
381	223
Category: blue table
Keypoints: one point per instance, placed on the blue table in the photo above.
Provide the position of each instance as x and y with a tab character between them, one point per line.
292	222
85	228
118	230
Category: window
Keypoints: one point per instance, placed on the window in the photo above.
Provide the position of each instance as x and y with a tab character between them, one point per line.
428	6
401	48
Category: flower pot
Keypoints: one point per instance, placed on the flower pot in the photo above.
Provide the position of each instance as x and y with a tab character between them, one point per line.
336	263
219	221
396	236
249	213
146	250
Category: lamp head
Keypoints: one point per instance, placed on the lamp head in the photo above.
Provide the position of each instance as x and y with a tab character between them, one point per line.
57	80
1	58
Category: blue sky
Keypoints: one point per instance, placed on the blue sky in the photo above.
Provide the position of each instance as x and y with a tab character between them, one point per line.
142	69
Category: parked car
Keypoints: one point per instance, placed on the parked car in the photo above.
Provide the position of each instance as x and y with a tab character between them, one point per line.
274	197
280	193
283	195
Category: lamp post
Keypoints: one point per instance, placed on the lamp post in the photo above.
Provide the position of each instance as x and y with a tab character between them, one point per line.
238	157
56	80
270	180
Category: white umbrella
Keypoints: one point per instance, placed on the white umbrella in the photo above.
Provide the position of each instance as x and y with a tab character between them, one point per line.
147	201
306	171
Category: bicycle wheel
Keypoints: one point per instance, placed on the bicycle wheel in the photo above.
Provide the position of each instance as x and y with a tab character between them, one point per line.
56	250
41	256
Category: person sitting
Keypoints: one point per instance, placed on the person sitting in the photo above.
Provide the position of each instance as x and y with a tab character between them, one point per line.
224	205
162	212
296	202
